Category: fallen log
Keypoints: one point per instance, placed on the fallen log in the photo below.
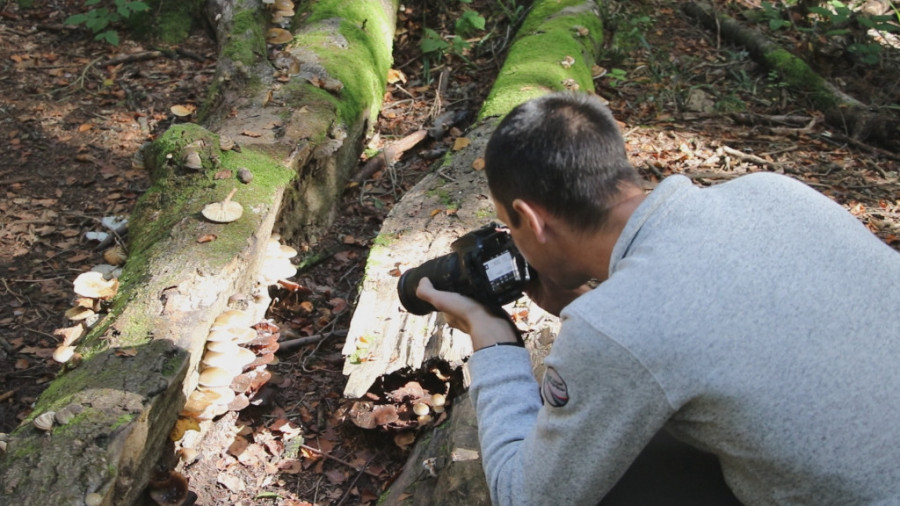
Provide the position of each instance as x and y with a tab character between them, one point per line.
843	112
554	50
298	131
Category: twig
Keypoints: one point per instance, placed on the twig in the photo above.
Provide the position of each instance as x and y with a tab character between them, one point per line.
293	344
751	158
340	461
353	483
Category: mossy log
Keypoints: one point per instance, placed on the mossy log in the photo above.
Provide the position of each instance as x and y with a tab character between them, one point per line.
448	202
842	111
139	361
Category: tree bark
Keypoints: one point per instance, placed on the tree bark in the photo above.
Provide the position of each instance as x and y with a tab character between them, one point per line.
299	131
448	202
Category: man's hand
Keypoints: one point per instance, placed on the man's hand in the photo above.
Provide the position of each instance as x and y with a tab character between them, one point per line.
552	297
468	316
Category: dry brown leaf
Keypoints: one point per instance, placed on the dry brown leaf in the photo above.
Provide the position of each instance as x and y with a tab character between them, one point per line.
478	164
396	75
207	238
84	127
251	133
461	143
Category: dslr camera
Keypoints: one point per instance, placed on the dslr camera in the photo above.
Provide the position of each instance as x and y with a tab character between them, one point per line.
484	264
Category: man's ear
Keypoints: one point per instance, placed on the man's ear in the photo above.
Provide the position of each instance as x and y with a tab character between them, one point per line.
532	218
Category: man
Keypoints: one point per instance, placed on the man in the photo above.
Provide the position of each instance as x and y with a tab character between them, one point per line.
755	320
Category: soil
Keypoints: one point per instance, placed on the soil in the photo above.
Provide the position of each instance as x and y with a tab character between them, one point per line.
70	123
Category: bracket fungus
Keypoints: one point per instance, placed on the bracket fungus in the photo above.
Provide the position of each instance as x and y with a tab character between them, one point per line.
225	211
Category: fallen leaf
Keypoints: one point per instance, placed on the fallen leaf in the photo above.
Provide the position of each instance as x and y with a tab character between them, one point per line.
231	482
461	143
84	127
126	352
251	133
336	476
206	238
478	164
395	75
222	174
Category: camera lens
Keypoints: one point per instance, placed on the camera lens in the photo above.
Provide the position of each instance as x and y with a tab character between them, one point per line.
443	272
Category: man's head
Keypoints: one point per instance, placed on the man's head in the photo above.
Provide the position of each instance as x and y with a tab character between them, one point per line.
563	152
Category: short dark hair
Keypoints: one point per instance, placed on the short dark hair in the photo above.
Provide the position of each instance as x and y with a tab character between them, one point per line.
562	151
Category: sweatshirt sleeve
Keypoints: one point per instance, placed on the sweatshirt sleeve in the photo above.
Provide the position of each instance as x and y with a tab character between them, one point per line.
600	408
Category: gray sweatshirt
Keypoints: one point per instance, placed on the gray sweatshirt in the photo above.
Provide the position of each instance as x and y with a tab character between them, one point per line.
756	320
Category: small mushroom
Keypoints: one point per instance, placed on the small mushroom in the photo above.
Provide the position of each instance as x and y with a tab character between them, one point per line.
79	313
421	409
232	318
63	353
93	499
192	159
424	419
234	362
66	414
215	377
275	268
278	36
44	421
283	5
92	284
438	401
404	439
225	211
226	143
222	346
171	490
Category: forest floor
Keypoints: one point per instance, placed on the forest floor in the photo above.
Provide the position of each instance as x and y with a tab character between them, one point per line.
71	119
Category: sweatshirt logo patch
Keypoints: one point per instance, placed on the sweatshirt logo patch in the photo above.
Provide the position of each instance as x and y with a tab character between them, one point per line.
554	389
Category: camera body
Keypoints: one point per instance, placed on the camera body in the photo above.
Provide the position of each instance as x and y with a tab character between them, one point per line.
484	264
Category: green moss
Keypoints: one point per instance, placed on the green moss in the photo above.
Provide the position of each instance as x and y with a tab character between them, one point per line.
248	42
122	420
798	75
533	67
362	64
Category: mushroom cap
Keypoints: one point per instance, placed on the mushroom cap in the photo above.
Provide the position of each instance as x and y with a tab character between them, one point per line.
45	421
223	212
215	377
92	284
234	335
63	353
278	36
222	346
438	400
232	318
275	268
231	361
79	313
192	159
421	409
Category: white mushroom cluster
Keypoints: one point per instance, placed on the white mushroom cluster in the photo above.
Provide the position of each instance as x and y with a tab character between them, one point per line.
92	289
229	369
276	264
